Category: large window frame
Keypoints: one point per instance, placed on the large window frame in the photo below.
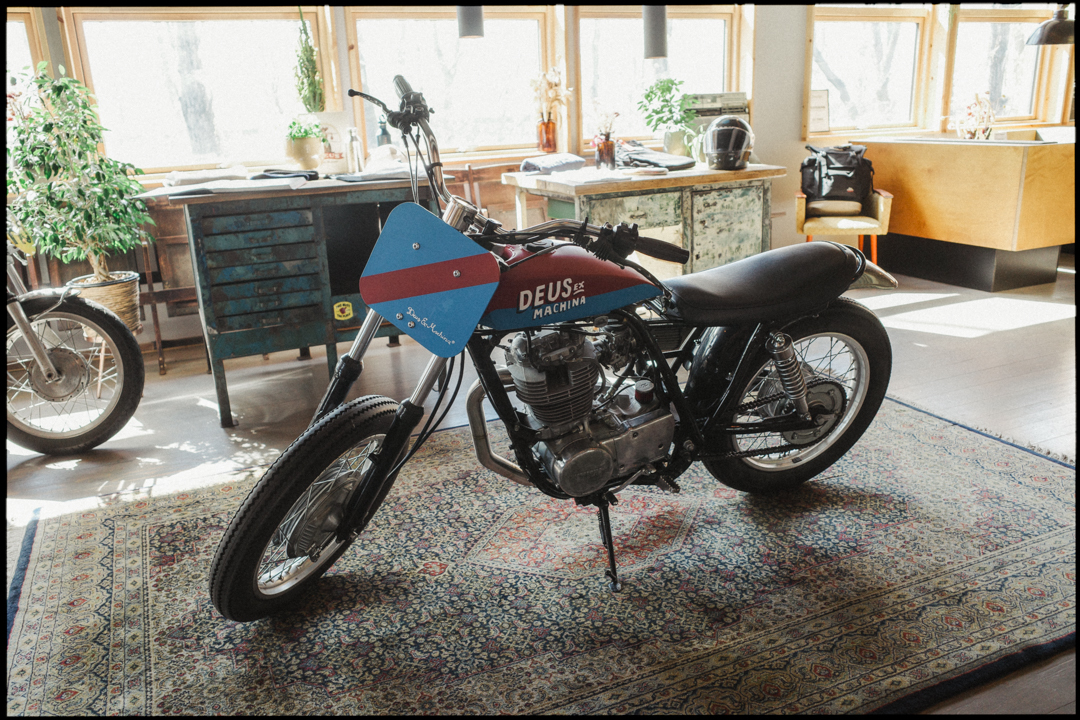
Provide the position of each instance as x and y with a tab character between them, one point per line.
936	59
543	14
737	62
318	16
31	19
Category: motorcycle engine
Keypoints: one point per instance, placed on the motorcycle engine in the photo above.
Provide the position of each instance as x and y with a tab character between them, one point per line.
587	441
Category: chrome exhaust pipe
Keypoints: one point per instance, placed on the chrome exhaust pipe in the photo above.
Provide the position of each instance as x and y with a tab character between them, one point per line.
481	444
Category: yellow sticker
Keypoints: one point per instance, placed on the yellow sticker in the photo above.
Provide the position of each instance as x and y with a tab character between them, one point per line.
23	243
342	310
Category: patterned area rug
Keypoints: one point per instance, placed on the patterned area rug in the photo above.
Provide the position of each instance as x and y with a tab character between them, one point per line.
931	558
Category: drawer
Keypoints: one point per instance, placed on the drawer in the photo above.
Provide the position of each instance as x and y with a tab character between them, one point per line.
286	316
260	238
267	254
262	288
648	211
266	303
255	221
242	273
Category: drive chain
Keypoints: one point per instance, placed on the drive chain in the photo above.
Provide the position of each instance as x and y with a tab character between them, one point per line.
773	449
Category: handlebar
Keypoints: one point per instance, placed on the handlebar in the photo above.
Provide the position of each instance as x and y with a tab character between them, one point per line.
402	86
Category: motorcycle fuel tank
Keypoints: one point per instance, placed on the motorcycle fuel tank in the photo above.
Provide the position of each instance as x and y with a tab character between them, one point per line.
567	283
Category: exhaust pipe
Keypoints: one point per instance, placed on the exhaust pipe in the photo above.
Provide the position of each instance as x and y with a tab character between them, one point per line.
481	444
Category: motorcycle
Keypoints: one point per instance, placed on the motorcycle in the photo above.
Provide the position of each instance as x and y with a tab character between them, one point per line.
783	375
74	370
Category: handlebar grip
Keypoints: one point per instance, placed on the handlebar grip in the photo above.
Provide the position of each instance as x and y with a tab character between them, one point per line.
401	86
661	250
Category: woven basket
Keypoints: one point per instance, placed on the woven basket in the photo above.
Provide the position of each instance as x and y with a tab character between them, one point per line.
121	295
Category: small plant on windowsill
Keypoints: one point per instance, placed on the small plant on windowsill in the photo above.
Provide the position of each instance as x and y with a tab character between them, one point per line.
666	109
303	143
72	201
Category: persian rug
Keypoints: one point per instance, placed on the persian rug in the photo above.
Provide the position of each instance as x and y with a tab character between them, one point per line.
929	559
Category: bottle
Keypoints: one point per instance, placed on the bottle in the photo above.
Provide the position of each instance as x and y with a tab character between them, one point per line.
354	151
383	136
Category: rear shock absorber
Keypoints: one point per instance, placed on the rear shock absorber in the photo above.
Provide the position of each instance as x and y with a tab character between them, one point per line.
788	370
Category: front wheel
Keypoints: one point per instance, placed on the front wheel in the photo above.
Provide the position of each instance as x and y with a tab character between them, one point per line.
99	383
846	359
283	538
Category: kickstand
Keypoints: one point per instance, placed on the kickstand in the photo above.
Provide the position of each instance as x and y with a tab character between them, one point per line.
605	537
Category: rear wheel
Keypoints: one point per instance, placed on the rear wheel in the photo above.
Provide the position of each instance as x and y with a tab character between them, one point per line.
283	538
846	359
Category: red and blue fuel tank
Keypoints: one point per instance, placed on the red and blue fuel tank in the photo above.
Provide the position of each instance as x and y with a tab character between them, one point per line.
543	286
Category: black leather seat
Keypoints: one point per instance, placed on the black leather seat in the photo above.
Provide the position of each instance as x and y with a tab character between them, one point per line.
770	286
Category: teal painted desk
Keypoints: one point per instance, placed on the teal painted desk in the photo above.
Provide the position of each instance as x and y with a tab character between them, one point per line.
719	216
279	270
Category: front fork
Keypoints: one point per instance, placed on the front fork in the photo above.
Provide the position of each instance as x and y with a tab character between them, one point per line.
37	349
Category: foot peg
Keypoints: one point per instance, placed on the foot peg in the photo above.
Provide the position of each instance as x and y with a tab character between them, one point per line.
605	536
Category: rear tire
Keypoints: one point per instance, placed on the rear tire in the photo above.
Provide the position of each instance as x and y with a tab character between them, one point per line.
295	508
845	344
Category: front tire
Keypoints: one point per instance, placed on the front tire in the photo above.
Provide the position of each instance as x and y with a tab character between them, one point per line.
845	345
100	384
282	539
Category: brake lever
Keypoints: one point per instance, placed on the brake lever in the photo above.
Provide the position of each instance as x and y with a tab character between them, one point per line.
370	99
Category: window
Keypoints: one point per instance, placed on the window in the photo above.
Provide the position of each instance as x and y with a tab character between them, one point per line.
176	89
22	43
992	58
868	61
614	75
478	87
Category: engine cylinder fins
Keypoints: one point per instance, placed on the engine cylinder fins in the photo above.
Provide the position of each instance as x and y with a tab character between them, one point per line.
559	397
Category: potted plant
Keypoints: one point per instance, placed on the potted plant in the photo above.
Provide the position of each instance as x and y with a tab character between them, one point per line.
309	83
73	202
666	109
304	143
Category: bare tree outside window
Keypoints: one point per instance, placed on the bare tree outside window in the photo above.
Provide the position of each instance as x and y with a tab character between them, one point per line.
868	69
993	58
202	92
479	87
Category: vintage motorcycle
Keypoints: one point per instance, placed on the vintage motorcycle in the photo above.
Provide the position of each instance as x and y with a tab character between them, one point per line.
74	371
782	375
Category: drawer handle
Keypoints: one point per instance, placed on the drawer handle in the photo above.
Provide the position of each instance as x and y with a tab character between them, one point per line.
266	291
637	216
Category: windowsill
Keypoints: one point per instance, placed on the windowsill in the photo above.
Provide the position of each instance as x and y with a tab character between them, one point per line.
848	135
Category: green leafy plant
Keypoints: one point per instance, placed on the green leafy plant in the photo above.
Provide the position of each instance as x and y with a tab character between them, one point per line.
308	81
665	108
299	129
69	199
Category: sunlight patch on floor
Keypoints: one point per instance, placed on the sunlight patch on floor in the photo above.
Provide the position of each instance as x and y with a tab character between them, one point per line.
896	299
976	318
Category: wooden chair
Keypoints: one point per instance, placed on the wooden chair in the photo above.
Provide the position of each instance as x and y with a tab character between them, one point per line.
472	188
874	221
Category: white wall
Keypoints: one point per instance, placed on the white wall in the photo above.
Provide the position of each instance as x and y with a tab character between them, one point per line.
779	62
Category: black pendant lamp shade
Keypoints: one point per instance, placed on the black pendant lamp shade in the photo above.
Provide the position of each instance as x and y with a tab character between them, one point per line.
470	21
655	17
1056	31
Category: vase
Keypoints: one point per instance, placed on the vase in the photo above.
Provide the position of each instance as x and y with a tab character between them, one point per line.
605	153
675	142
120	294
545	136
307	152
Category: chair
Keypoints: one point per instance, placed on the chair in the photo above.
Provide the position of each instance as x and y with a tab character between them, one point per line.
472	188
873	222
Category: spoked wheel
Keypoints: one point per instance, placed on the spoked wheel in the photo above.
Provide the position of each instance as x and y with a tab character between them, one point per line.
99	381
284	536
846	360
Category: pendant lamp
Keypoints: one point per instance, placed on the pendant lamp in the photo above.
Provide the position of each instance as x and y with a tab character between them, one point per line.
1058	30
470	21
655	17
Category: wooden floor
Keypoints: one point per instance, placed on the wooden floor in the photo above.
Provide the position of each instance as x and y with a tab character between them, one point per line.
1004	362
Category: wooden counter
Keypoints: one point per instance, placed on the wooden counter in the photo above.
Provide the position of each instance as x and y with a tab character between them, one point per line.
984	214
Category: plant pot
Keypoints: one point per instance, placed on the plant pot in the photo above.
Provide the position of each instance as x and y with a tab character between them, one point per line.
675	143
307	153
120	294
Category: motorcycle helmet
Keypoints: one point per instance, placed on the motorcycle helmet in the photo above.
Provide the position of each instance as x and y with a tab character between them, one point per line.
728	143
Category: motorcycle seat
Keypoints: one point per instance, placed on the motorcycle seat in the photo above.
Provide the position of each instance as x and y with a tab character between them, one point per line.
771	286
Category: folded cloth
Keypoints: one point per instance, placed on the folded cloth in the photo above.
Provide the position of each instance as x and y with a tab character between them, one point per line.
274	174
631	153
367	175
546	164
194	177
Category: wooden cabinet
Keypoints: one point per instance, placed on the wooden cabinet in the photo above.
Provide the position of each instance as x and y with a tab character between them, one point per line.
719	216
278	271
